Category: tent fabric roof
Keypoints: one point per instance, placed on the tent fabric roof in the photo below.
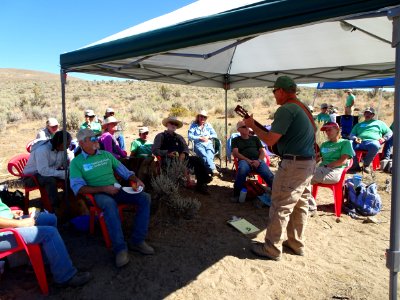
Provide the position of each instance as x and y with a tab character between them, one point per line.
370	83
266	39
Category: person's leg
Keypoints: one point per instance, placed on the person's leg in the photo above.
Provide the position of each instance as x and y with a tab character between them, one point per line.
121	141
265	173
326	175
113	222
206	153
388	148
372	148
52	245
356	164
242	172
142	217
50	184
203	176
45	219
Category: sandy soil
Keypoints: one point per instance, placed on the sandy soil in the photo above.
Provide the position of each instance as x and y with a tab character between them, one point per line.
204	258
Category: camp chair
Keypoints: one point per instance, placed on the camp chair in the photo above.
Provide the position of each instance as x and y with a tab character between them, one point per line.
28	146
337	189
217	145
35	256
253	174
346	124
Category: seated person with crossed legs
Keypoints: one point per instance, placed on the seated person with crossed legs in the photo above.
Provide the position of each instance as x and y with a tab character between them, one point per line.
92	172
335	153
250	153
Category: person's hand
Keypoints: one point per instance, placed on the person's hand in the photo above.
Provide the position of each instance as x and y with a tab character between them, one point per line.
358	140
17	213
381	141
27	222
110	189
204	138
249	122
173	154
255	164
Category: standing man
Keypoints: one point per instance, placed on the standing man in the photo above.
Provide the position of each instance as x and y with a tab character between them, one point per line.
349	106
294	135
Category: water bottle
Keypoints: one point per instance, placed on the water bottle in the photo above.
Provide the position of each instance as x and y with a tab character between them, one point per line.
242	196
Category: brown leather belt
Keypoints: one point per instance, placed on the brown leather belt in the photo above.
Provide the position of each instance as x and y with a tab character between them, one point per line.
297	157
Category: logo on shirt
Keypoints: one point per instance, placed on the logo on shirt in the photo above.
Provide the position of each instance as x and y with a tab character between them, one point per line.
90	166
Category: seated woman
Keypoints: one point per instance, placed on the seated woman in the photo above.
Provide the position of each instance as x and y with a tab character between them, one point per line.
107	140
334	153
42	230
170	145
201	133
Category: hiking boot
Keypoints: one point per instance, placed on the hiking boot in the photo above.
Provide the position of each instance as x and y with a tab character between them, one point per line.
142	248
299	252
367	169
259	250
79	279
122	258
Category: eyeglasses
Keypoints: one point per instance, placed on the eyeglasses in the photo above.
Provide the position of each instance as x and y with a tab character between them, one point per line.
94	139
274	90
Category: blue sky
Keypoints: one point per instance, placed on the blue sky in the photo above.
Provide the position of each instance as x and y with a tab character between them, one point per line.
33	33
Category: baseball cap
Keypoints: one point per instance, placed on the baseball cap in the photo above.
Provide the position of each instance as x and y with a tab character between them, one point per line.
348	91
324	105
329	125
143	129
285	82
84	133
89	113
370	109
202	113
109	110
52	122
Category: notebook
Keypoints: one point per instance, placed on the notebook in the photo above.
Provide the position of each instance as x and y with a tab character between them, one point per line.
243	226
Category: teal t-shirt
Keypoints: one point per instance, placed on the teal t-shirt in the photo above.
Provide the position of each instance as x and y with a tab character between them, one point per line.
332	151
5	211
321	117
249	148
298	135
94	126
350	100
370	130
141	148
96	170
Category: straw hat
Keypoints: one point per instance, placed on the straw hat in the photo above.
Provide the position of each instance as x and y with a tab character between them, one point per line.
110	120
172	120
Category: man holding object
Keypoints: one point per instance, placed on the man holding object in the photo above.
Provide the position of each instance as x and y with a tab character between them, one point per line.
294	135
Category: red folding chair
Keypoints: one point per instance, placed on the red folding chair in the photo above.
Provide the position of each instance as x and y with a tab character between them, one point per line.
337	189
94	211
16	167
267	160
35	255
376	163
28	146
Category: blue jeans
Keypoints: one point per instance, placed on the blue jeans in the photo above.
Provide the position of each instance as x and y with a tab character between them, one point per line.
109	205
371	146
244	169
121	141
206	153
388	148
45	233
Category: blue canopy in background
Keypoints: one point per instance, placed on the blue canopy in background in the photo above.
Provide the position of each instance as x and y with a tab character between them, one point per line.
352	84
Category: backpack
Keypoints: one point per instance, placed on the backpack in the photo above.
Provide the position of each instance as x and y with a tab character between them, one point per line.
254	189
364	198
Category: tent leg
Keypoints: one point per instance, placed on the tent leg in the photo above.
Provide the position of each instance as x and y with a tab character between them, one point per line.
393	254
226	125
63	77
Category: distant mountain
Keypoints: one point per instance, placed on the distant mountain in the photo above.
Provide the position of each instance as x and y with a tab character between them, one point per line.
21	74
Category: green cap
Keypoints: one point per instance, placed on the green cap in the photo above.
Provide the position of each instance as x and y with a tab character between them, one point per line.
284	82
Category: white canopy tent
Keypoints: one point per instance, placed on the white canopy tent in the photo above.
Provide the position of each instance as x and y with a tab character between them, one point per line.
225	44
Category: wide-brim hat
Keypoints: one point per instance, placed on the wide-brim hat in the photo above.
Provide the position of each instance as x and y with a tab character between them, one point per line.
329	125
110	120
202	113
89	113
172	120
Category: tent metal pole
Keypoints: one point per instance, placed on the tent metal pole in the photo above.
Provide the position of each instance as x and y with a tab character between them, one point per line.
379	104
393	253
63	77
226	125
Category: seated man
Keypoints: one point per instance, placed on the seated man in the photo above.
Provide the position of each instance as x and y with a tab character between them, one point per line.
170	145
90	122
323	116
42	230
368	135
48	132
201	133
46	163
335	153
141	146
250	153
388	148
92	172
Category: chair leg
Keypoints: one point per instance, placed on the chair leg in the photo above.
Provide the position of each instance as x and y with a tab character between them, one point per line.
104	230
35	256
45	200
338	194
314	191
92	212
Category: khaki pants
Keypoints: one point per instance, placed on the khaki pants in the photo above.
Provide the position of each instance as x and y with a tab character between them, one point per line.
289	209
348	110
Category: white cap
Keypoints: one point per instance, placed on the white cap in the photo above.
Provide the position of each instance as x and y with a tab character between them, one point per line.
89	113
109	110
203	113
52	122
143	130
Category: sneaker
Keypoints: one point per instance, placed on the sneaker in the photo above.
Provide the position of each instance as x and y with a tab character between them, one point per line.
299	252
122	258
367	169
259	250
79	279
142	248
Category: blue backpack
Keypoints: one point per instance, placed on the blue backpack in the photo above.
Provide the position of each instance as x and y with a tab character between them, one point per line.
364	198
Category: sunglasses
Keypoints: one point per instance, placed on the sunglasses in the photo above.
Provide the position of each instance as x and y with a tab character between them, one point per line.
90	117
94	139
243	127
145	133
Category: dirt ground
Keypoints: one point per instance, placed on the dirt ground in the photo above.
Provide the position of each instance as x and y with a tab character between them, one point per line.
204	258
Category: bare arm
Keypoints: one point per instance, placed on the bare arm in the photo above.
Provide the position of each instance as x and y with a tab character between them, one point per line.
12	223
235	153
339	162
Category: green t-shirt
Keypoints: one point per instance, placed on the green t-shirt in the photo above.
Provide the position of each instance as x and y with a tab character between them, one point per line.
350	100
141	148
331	151
297	132
5	211
321	117
248	147
96	170
95	126
370	130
